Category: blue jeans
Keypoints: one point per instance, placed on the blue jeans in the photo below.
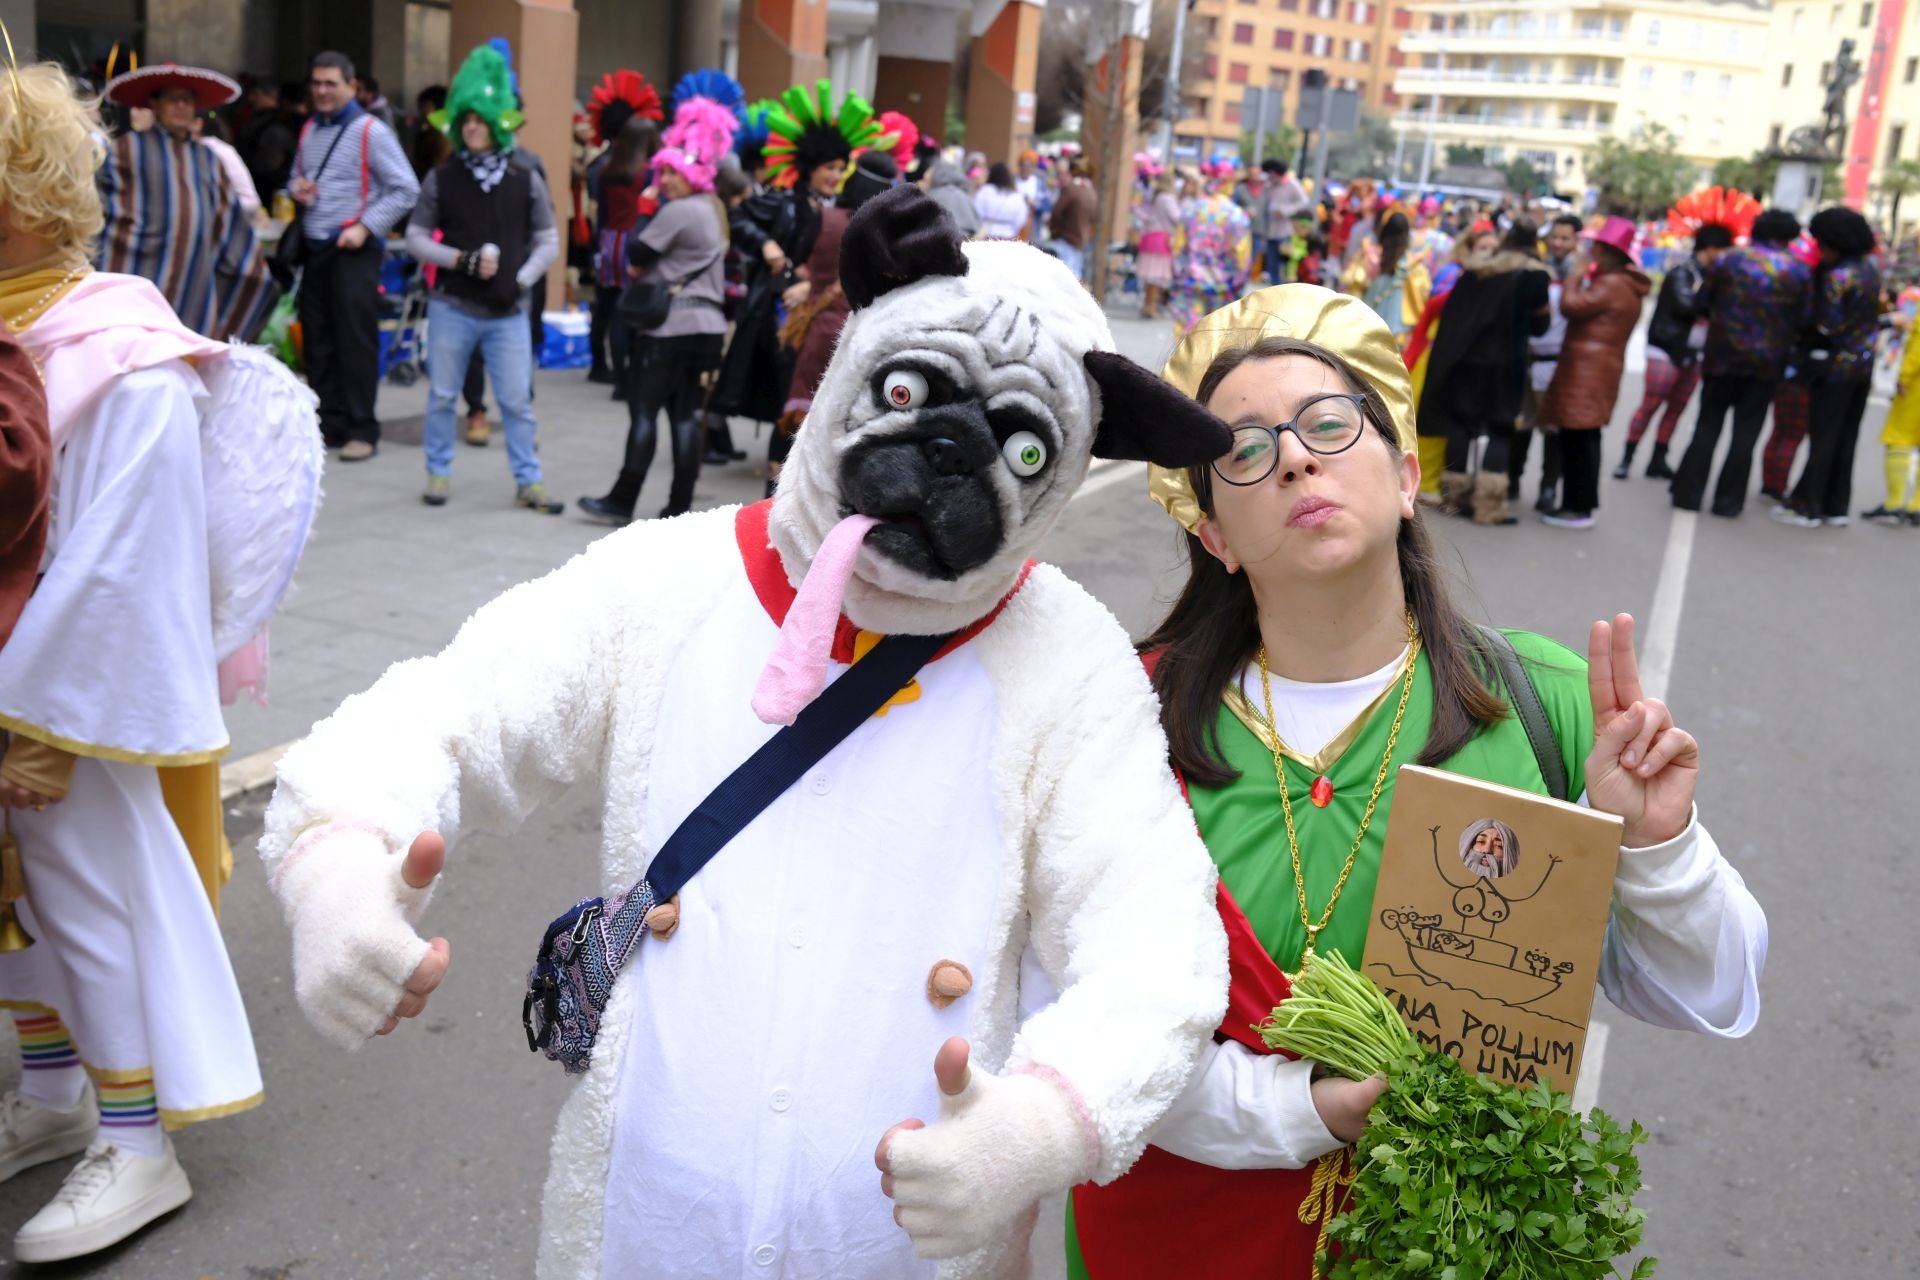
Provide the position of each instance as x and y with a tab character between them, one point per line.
504	343
1076	259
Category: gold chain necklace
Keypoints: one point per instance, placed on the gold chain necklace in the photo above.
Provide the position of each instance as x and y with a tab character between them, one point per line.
1379	783
21	319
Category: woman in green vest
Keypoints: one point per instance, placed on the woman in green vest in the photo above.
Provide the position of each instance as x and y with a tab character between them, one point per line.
1313	651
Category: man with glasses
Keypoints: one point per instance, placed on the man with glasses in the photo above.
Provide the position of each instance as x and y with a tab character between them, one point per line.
354	185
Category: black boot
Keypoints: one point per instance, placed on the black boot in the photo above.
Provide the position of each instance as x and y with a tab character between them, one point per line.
1625	468
1657	468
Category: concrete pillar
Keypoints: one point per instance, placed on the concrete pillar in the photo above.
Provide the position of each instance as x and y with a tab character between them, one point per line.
545	36
199	33
782	43
914	76
1002	66
698	35
387	61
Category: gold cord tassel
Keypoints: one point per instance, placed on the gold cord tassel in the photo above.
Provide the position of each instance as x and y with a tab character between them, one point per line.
1331	1173
13	887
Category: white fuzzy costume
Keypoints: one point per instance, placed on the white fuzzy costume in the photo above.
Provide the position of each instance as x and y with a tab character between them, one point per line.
1016	816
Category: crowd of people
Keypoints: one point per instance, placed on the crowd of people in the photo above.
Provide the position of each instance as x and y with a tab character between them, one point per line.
1516	319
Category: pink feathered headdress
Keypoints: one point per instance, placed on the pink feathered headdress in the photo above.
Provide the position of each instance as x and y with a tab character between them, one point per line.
699	137
898	138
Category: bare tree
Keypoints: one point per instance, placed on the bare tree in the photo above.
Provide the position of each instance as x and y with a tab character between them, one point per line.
1069	29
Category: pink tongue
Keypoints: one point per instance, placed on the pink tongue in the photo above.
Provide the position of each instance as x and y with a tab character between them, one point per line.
797	670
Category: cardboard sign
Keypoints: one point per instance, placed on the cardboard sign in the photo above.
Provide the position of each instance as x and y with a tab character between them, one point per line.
1489	916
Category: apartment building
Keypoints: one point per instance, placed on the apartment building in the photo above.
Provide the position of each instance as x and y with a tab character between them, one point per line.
1269	44
1546	79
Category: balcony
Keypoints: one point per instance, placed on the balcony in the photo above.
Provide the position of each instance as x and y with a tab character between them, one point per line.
1537	43
1486	129
1532	86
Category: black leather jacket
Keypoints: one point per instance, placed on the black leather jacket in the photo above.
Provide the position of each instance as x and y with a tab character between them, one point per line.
1675	311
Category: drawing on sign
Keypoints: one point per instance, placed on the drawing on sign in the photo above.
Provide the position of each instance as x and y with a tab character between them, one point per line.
1469	958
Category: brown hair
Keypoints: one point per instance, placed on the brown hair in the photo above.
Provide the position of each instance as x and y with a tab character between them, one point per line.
639	138
1213	629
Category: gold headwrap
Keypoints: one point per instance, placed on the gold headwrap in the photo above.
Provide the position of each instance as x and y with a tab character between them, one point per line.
1341	323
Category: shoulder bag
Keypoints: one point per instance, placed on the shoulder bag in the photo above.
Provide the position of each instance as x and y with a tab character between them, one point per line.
583	951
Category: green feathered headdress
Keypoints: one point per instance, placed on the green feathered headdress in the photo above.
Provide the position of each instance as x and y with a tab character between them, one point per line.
484	86
805	130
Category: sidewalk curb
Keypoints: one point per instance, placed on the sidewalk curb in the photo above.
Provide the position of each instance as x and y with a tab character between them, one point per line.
250	773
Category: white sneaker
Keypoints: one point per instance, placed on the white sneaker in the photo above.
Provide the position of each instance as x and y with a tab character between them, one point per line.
33	1133
108	1196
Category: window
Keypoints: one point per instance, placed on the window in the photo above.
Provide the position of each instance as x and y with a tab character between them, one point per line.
1680	126
1389	98
1793	27
1696	36
1773	136
1278	79
1237	72
1686	83
1435	22
1395	58
1653	32
1360	11
1866	16
1553	24
1403	19
1283	38
1733	40
1786	73
1645	78
1895	137
1715	131
1833	19
1243	33
1913	68
1290	6
1324	8
1357	51
1211	66
1320	46
1230	114
1724	87
1826	69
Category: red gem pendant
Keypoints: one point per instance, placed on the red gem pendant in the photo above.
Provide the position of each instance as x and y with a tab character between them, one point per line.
1322	792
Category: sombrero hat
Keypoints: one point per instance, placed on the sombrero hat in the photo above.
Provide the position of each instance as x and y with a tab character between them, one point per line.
210	89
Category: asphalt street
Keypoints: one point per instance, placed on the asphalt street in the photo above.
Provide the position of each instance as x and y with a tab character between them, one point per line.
1794	1152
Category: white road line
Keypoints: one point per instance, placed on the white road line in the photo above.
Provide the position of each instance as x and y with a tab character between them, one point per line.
1662	632
1587	1091
1108	474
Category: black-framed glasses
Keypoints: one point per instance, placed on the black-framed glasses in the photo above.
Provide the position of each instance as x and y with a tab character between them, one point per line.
1326	425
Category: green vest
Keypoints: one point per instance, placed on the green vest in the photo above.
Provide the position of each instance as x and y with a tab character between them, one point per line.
1246	832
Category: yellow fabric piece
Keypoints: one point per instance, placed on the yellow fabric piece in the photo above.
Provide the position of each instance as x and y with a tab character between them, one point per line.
1413	301
1433	459
1903	486
1339	322
13	724
863	642
192	793
24	295
39	767
1903	418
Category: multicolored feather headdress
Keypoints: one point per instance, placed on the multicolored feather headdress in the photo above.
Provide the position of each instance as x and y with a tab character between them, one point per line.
807	131
619	97
484	86
715	86
703	128
1716	206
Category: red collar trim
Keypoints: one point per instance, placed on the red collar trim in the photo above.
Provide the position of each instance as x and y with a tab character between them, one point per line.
768	577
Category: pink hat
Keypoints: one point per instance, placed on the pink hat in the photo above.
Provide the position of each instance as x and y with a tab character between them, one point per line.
1616	231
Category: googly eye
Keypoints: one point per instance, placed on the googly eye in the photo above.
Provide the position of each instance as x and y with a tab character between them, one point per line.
904	389
1025	453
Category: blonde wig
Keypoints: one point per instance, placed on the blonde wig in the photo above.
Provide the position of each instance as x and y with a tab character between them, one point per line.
50	147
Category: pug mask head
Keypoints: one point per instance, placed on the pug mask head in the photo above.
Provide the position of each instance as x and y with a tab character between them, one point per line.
972	385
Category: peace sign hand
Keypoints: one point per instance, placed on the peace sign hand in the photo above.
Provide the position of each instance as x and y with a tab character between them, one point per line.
1642	767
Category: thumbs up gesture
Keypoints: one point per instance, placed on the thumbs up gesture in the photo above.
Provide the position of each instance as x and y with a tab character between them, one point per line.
999	1145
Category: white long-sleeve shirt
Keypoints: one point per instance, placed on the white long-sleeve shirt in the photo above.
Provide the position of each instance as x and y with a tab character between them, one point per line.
1684	949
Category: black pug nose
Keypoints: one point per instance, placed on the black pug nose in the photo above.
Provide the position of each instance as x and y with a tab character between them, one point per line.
947	458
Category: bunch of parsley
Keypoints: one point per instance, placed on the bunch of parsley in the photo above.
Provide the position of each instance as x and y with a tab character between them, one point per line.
1459	1177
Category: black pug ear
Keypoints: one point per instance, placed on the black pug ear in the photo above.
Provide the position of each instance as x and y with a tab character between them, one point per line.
1146	419
900	236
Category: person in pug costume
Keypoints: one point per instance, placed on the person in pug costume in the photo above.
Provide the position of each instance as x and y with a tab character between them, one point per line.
996	870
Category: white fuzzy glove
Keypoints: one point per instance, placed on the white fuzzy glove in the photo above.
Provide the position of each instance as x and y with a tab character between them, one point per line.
1000	1144
352	917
